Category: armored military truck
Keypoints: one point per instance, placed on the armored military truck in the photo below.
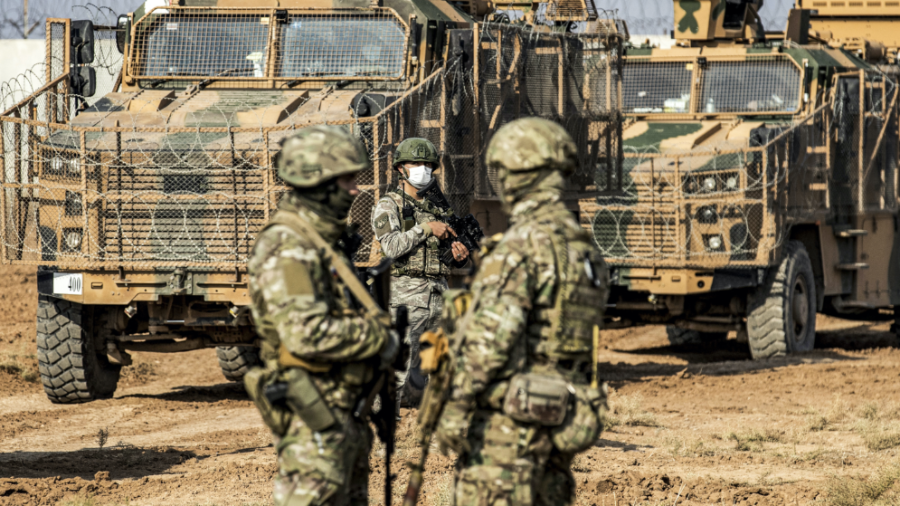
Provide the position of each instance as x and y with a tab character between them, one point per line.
140	207
759	183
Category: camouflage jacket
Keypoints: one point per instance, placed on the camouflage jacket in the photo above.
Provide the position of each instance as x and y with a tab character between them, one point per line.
515	294
418	271
297	302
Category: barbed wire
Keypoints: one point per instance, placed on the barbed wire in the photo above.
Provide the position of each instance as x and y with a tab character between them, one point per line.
142	182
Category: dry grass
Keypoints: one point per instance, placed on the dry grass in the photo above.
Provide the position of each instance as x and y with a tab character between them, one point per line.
837	414
13	364
879	437
628	410
880	489
82	500
694	448
753	440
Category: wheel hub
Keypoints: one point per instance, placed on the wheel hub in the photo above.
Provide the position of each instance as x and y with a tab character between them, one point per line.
799	308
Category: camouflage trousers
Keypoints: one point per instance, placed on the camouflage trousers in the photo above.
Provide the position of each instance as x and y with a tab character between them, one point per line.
324	468
512	464
411	382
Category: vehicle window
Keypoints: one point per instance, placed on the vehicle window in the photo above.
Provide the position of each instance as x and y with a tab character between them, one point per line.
656	87
186	44
750	86
342	45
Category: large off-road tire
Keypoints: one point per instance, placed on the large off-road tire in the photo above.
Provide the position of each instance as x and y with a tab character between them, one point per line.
236	361
679	336
781	315
71	369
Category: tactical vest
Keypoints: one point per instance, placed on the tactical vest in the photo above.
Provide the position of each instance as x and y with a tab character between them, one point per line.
424	260
567	328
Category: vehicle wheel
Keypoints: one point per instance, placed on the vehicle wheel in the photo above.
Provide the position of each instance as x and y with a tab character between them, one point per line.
782	312
71	369
236	361
679	336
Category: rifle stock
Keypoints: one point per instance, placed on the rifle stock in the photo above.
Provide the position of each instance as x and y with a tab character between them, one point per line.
432	405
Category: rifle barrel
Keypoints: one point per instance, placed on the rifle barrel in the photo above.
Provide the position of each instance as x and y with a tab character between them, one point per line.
415	484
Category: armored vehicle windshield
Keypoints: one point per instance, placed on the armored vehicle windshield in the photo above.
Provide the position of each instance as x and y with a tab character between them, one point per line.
769	83
173	48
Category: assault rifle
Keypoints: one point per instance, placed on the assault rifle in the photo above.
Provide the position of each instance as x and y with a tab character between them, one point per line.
468	230
434	349
385	420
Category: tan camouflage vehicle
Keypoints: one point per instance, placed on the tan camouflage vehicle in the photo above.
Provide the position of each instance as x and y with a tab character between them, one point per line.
759	182
140	206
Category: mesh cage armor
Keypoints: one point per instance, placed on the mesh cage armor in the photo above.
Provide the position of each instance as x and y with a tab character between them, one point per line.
424	260
567	329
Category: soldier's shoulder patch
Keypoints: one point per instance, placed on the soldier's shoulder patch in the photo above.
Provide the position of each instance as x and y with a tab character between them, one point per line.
381	224
297	278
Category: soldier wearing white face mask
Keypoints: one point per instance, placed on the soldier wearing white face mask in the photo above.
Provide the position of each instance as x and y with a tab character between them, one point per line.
410	230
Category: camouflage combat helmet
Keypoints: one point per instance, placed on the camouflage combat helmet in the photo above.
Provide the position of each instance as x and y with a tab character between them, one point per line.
527	144
416	149
318	153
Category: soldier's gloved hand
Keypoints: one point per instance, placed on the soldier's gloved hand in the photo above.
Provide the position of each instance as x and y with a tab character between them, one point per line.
389	350
451	430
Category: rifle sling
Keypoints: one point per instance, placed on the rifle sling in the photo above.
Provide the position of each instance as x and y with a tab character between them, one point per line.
299	225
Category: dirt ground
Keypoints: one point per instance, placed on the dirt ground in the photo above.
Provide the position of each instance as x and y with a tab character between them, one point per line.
688	426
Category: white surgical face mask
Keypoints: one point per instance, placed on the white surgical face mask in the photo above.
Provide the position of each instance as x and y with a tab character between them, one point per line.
419	176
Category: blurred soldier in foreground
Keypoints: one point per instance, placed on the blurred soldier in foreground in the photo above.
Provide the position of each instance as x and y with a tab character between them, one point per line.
321	353
521	405
410	223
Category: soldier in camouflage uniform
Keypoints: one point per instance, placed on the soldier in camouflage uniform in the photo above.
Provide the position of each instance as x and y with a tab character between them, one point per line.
409	229
536	299
312	338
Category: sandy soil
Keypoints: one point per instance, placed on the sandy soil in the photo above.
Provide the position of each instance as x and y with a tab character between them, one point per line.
696	426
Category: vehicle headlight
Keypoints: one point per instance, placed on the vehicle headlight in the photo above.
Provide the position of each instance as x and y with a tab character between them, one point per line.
709	184
715	242
61	165
731	182
707	215
73	240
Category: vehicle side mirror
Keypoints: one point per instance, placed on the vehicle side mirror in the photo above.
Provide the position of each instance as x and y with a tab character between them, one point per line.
123	26
84	82
82	42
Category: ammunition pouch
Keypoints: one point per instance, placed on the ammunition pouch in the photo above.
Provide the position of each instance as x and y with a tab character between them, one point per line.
537	398
424	259
259	381
584	420
303	398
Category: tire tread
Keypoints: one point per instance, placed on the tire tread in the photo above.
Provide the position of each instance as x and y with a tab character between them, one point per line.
236	361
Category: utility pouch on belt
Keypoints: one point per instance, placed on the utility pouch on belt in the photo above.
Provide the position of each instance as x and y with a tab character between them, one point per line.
537	398
275	415
304	399
584	421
